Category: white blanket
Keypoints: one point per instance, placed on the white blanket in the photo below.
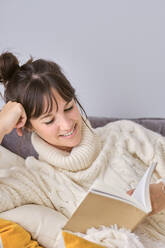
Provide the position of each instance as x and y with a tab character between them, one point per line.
112	237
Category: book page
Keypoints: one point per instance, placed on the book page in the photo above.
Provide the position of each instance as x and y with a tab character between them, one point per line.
140	198
142	193
109	191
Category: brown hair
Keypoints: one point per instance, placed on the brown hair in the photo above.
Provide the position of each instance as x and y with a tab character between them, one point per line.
30	83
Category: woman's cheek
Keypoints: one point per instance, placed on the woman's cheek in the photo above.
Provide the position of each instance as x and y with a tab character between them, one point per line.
46	131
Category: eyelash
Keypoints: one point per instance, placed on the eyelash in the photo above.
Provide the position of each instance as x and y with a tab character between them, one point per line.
51	121
68	109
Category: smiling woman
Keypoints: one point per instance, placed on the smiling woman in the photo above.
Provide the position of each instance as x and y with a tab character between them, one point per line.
71	153
47	97
62	126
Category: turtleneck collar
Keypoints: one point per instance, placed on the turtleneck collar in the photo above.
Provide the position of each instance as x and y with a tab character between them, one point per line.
81	156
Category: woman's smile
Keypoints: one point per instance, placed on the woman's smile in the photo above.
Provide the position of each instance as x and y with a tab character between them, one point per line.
70	134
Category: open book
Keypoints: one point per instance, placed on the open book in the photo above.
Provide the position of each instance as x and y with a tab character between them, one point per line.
102	207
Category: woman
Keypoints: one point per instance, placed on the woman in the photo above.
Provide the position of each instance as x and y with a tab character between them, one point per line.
71	154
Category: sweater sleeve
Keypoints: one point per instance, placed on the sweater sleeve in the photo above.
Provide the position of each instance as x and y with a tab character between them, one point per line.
146	145
18	185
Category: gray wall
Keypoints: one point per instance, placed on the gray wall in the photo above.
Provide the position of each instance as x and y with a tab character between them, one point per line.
113	51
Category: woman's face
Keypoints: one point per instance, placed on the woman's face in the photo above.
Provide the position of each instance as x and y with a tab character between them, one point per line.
61	128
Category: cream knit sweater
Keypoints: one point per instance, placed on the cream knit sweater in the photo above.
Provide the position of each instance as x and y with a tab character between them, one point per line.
121	151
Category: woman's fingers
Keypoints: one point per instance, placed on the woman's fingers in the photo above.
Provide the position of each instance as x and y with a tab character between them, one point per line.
130	192
21	122
157	196
12	116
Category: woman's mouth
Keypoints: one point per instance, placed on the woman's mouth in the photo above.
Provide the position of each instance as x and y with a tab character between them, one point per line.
71	133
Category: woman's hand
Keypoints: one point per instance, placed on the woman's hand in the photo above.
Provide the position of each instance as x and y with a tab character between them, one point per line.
12	116
157	196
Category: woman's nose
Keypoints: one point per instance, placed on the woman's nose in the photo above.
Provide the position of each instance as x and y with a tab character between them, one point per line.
64	123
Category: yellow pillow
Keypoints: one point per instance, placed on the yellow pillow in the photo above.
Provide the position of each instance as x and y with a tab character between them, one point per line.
14	236
73	241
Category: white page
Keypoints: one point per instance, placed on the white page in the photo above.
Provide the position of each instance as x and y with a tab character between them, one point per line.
103	189
142	193
140	198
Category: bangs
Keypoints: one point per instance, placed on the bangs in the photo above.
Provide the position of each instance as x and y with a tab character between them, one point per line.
43	103
40	97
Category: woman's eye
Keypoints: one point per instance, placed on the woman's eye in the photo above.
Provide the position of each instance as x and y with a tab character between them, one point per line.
49	122
65	110
68	109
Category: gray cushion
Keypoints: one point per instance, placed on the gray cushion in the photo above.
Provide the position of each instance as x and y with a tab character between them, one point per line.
154	124
23	147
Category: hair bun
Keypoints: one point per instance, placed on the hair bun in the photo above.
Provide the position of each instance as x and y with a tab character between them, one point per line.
8	66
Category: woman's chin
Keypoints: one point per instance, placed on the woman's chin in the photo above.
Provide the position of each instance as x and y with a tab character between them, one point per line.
70	146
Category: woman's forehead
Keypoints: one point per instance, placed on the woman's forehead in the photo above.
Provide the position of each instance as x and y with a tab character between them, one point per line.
53	103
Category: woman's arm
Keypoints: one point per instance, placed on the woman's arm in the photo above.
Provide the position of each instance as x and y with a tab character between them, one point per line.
19	185
12	116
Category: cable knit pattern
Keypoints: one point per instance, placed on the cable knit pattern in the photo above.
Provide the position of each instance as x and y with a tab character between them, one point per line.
120	152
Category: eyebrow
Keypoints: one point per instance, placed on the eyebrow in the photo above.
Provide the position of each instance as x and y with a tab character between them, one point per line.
48	115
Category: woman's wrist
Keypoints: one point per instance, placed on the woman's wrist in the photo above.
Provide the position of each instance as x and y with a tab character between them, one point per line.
161	180
1	138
